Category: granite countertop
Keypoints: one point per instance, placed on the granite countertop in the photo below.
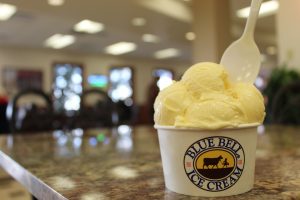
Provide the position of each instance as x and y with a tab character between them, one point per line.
124	163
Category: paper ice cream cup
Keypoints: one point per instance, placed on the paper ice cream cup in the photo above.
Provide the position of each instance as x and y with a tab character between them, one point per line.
208	163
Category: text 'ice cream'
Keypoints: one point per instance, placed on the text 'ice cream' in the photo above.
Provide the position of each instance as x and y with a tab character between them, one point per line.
205	98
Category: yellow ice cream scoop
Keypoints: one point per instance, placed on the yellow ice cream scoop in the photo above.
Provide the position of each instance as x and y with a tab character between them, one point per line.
171	103
205	77
252	102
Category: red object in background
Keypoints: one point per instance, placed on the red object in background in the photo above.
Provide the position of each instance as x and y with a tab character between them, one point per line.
3	100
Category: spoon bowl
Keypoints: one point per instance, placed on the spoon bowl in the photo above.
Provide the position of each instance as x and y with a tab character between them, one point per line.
242	58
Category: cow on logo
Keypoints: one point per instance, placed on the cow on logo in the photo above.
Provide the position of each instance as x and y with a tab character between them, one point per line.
211	162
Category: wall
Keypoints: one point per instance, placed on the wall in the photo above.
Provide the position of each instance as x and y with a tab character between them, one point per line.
289	32
43	59
212	28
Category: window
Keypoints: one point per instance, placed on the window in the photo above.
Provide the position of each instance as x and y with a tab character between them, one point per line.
121	85
67	86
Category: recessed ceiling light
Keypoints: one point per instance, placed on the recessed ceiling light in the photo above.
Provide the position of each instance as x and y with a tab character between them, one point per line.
267	8
120	48
56	2
167	53
139	21
150	38
190	36
6	11
88	26
59	41
171	8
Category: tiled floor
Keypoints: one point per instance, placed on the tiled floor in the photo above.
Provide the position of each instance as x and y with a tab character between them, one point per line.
11	189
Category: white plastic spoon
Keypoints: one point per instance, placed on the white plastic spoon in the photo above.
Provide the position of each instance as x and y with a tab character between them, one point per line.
242	58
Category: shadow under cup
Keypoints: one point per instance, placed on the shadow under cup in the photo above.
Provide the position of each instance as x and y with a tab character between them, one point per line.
208	163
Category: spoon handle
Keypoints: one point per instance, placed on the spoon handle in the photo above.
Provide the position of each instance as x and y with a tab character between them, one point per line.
251	22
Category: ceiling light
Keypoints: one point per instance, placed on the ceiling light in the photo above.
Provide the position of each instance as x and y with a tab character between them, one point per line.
56	2
88	26
120	48
6	11
167	53
150	38
59	41
170	8
190	36
267	8
138	21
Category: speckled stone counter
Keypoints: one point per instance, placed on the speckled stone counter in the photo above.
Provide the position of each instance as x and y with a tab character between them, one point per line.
124	163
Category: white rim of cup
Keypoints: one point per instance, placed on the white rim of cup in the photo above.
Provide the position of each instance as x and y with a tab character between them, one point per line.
241	126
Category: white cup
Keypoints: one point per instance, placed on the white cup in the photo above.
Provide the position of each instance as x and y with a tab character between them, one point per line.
208	163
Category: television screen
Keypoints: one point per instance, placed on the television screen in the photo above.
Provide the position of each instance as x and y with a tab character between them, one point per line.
98	81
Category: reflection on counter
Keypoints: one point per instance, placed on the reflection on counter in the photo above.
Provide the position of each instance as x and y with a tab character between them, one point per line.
124	138
10	141
124	172
71	143
93	196
62	182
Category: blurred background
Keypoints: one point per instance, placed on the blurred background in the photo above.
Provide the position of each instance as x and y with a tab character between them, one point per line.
99	63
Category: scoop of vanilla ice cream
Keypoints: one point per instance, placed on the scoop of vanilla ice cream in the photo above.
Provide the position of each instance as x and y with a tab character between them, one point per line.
170	103
211	111
205	98
252	102
205	77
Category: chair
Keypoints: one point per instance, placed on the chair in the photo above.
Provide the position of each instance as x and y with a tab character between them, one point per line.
98	114
30	118
285	108
127	114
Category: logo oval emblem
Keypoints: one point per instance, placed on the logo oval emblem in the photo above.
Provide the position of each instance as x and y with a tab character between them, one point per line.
214	163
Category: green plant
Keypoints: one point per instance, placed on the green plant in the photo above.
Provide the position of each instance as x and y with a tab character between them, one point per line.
280	78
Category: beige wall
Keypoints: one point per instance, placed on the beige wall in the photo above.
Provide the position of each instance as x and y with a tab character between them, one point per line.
289	32
212	27
43	59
